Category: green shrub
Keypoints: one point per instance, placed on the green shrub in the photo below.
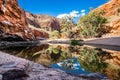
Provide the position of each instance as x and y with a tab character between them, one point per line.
74	42
54	33
92	24
91	60
119	10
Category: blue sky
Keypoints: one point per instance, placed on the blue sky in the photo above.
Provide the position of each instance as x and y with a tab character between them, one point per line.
60	7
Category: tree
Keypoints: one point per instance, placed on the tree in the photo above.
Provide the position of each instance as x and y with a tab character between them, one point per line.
92	24
67	23
55	34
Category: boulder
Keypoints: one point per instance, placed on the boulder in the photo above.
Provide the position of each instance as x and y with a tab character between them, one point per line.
27	70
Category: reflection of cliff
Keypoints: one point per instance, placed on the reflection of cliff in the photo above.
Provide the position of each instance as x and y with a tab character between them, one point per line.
115	58
52	55
91	59
97	60
113	71
25	52
44	54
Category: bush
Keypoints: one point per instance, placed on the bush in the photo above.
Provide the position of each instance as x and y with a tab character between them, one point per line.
55	34
74	42
67	23
92	24
118	11
92	60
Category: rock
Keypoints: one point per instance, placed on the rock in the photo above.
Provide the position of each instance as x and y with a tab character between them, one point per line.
10	65
45	22
40	34
34	70
14	74
97	76
110	8
13	23
110	11
1	77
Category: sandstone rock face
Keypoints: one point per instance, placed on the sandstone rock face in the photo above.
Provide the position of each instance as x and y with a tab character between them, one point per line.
110	8
40	35
45	22
13	24
115	27
111	12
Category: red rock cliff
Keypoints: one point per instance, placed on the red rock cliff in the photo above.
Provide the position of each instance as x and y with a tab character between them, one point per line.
13	24
45	22
112	13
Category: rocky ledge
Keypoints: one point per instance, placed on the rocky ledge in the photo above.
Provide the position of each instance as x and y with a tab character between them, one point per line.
14	68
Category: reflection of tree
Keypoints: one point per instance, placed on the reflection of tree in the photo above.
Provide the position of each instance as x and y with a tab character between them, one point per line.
118	72
69	64
74	48
57	54
91	60
28	51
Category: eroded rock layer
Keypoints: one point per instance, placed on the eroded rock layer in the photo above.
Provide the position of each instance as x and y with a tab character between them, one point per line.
13	24
45	22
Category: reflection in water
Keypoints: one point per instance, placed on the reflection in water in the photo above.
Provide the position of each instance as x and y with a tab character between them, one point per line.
71	66
75	60
93	57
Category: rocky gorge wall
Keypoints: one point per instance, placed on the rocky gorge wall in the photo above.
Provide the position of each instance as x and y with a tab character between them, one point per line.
14	25
41	21
111	12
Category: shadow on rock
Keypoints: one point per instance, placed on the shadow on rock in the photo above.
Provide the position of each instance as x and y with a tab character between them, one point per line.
15	74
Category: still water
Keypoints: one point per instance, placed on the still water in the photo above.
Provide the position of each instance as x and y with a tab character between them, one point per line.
74	60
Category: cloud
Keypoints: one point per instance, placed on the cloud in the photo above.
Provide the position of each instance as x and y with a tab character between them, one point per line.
82	11
62	15
72	14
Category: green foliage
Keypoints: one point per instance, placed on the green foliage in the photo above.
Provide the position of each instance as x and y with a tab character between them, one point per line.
118	72
118	10
74	42
55	34
92	61
55	50
91	24
67	23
